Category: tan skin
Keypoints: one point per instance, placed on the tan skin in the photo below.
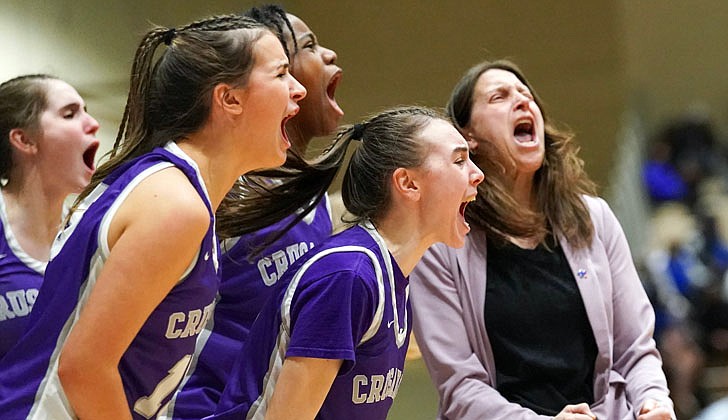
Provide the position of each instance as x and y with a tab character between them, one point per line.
415	220
501	102
115	310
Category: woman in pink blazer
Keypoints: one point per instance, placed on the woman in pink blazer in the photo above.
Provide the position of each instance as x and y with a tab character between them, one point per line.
555	324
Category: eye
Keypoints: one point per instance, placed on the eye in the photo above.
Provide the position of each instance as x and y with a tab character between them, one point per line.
310	45
69	115
527	94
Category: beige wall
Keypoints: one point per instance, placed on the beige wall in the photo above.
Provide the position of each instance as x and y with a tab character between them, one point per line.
587	59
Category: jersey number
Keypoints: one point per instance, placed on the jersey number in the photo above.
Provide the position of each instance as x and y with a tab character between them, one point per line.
148	406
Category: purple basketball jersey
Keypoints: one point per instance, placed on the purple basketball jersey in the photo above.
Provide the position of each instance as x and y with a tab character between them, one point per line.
156	360
20	278
245	287
346	300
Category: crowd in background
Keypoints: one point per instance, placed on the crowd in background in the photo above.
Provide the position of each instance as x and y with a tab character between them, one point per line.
685	174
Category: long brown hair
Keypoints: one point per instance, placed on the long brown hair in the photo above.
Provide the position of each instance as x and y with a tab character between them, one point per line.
22	101
170	99
560	183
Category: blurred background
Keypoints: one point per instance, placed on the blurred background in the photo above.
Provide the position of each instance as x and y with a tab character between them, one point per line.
642	84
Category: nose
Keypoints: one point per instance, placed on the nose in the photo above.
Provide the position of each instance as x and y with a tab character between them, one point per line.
92	126
296	89
522	100
329	56
476	175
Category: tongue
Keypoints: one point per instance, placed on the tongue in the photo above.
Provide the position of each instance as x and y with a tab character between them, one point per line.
523	137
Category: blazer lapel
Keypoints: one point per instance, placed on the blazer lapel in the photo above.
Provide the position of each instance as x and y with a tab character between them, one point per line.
588	282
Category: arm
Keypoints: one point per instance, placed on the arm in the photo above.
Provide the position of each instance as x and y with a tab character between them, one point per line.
148	254
302	388
635	354
318	351
463	382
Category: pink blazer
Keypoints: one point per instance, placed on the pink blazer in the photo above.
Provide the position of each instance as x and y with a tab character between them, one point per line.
448	297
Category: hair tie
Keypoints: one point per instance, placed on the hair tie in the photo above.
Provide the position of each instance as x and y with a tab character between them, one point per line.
357	131
168	36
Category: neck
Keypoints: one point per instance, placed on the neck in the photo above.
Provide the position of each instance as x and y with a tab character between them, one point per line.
522	189
404	240
218	177
34	214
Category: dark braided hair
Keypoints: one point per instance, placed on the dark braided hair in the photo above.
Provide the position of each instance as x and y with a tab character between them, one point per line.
275	18
170	99
389	140
22	100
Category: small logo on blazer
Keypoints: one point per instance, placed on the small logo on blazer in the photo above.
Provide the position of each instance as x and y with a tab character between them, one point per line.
581	273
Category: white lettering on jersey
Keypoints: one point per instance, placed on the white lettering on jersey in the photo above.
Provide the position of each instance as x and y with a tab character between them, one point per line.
17	303
375	388
183	325
281	259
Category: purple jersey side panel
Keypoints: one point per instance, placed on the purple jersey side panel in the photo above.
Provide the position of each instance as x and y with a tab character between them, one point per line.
245	287
20	279
347	300
161	351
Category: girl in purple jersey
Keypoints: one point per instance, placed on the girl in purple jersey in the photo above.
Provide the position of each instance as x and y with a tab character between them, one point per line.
248	273
137	261
331	341
44	126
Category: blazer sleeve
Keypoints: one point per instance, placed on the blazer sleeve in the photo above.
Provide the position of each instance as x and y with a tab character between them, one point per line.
635	355
442	326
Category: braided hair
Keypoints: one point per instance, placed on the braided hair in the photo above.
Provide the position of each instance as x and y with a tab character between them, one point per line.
170	98
275	19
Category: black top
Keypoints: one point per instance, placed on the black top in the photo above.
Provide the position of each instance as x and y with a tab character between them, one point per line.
543	345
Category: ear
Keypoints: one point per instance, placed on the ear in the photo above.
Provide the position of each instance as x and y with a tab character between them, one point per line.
21	140
228	98
470	138
406	184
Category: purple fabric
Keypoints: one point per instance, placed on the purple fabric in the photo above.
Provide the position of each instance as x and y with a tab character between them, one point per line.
323	308
163	346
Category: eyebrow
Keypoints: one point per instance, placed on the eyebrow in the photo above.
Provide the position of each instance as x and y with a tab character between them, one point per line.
72	106
283	65
460	149
307	35
502	87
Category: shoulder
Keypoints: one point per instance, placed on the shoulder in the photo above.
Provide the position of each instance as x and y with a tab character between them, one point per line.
601	213
165	202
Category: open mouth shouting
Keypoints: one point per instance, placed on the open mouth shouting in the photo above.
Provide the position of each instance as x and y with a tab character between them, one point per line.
524	132
331	92
89	156
463	205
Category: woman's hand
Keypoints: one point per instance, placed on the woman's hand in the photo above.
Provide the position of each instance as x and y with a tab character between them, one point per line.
576	412
653	410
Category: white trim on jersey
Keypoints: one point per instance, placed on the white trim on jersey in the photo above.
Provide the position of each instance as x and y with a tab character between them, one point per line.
50	397
51	402
35	265
259	407
174	148
400	333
